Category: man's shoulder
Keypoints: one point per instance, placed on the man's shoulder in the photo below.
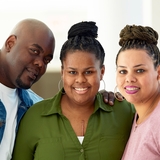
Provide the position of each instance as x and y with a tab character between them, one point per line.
35	97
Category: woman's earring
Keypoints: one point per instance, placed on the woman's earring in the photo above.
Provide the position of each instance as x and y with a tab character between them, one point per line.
118	95
59	86
104	84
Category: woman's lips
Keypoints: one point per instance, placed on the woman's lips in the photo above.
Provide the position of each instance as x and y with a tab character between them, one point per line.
81	90
131	89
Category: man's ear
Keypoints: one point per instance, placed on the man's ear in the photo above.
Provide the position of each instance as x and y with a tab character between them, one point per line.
10	42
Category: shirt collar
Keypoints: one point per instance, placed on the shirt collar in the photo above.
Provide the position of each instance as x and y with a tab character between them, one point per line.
54	104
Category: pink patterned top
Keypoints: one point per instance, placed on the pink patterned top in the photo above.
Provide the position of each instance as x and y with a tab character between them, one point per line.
144	141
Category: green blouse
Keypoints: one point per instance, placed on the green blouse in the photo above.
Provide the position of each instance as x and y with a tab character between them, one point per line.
46	134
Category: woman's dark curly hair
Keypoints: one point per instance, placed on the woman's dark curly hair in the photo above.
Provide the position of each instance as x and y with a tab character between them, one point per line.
82	36
140	38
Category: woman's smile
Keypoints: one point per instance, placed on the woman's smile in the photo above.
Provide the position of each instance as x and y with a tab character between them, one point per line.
81	90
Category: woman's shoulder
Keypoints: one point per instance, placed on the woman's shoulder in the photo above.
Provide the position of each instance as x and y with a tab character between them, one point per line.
125	105
117	104
46	103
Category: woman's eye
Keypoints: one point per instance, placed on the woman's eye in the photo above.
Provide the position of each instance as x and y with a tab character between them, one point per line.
122	72
140	70
88	72
72	72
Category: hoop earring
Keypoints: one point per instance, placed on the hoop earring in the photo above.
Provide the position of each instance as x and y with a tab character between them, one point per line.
118	95
59	86
104	84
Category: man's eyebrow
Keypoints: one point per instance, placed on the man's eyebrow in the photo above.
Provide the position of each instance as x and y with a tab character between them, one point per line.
39	47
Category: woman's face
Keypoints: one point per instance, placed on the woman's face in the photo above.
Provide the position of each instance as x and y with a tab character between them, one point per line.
81	74
137	79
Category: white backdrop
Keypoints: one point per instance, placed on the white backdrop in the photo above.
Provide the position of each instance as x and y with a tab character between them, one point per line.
110	16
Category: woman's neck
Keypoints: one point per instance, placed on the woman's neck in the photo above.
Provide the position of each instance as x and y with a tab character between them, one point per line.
145	109
78	115
73	105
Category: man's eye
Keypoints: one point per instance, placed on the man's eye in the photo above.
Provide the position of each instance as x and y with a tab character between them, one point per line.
47	60
35	51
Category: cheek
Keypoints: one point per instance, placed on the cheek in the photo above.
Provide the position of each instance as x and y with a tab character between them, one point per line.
146	81
67	81
119	81
44	69
96	83
42	72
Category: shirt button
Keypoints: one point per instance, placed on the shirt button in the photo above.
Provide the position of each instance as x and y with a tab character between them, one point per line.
81	150
1	123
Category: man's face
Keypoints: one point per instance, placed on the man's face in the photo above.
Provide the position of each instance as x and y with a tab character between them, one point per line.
27	59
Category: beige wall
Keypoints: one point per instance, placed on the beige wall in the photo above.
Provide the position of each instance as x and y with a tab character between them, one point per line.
47	86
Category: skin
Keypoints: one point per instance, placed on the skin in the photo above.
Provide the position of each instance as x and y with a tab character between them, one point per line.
26	53
137	80
81	84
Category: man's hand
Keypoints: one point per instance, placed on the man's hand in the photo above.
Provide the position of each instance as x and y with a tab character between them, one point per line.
108	97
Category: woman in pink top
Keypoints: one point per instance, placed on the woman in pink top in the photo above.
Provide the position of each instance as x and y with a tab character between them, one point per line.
138	77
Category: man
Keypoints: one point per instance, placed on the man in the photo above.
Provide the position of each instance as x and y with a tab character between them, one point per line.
23	60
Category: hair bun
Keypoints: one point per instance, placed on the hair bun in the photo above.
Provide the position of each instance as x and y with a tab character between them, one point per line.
140	33
88	29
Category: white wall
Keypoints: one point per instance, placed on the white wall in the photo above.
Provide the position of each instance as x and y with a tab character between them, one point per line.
110	16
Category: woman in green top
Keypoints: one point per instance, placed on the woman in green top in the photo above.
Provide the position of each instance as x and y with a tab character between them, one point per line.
76	124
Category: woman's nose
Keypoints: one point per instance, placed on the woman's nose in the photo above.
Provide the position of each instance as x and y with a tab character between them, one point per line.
80	78
130	78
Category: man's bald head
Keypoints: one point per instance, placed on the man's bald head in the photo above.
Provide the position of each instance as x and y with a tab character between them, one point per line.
26	53
29	26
